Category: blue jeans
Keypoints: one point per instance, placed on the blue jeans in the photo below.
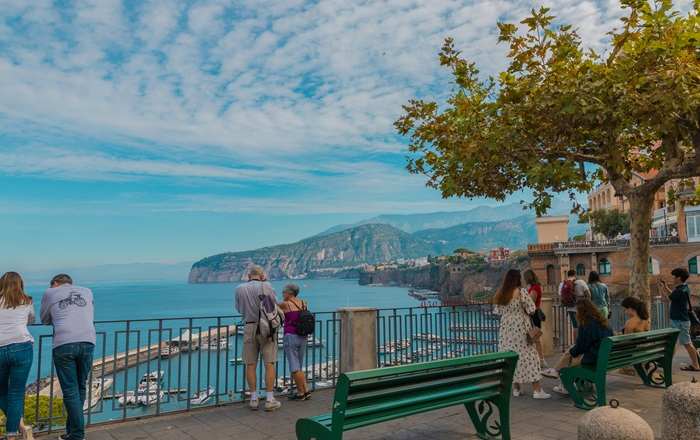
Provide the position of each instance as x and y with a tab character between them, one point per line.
15	362
294	349
73	363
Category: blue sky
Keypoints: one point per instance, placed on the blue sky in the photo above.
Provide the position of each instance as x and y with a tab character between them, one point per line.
170	130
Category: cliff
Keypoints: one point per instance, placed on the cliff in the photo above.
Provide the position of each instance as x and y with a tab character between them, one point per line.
314	257
469	278
344	252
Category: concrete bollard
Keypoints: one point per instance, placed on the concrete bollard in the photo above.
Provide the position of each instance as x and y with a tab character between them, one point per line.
613	423
681	412
358	338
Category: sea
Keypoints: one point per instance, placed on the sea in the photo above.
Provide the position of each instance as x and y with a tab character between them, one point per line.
160	300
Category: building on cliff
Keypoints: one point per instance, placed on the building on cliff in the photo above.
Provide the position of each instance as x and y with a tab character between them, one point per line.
675	242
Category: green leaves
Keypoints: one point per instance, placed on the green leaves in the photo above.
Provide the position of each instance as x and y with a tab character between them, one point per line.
558	105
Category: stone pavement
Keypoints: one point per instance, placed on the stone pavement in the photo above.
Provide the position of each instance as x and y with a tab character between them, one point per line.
531	419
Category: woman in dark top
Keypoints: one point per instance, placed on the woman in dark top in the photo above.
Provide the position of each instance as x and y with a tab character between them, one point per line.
534	288
593	327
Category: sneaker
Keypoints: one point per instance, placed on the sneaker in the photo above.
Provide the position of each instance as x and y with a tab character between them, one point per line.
551	372
541	395
271	405
307	396
253	404
560	389
516	392
295	396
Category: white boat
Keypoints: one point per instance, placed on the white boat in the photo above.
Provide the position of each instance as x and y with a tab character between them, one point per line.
201	397
169	351
430	337
151	398
215	344
129	399
151	381
394	346
97	389
235	361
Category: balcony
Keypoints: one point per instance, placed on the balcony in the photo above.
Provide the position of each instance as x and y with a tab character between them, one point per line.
585	246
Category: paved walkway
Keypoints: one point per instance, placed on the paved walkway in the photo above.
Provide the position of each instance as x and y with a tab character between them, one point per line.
531	419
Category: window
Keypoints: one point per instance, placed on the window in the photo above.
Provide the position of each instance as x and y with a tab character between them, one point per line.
580	270
693	265
604	266
551	275
653	267
693	222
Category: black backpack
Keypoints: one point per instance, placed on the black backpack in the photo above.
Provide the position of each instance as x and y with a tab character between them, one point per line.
306	323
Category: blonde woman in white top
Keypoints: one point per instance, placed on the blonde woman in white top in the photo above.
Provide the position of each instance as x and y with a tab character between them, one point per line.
16	352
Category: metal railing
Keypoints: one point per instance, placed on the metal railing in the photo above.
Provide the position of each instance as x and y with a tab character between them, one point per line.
564	332
149	367
420	334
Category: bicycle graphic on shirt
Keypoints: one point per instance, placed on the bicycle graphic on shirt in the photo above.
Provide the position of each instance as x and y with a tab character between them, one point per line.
74	299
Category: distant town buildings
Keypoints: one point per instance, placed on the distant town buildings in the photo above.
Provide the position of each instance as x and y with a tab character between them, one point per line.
498	255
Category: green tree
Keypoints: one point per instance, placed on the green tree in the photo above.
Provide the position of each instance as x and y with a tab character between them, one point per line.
609	222
58	414
562	117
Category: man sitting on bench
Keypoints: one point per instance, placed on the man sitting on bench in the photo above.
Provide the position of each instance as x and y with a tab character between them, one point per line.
592	328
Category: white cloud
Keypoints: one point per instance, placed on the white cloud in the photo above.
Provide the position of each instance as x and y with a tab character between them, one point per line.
275	84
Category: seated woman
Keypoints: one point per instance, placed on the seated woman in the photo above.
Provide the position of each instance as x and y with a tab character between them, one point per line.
637	316
593	327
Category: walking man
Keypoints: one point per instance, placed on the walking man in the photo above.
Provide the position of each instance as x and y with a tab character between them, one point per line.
70	309
680	310
248	298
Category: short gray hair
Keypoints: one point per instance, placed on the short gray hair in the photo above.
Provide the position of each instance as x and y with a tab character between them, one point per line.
292	288
256	271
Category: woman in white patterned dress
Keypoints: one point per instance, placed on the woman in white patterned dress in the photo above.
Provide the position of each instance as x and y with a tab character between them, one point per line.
515	306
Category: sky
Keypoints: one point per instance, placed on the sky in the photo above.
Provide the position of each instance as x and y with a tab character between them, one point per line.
166	131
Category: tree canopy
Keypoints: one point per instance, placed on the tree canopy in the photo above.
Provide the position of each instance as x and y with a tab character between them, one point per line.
609	222
563	117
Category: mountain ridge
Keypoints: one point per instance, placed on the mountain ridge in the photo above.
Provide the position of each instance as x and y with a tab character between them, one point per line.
355	246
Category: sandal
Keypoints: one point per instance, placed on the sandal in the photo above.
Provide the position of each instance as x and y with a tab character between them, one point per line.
689	368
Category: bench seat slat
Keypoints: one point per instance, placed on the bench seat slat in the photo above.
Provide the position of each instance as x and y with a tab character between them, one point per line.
401	390
410	399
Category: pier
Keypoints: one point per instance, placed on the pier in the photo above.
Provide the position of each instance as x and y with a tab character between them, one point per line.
110	365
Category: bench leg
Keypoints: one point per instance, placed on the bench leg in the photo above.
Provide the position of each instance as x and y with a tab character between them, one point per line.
308	429
483	417
573	384
652	377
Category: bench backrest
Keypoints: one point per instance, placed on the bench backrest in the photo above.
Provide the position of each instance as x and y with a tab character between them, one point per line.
372	396
636	348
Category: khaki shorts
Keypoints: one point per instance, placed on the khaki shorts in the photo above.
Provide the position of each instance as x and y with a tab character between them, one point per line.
254	345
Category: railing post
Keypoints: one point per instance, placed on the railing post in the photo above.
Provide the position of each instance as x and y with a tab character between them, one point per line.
547	338
358	333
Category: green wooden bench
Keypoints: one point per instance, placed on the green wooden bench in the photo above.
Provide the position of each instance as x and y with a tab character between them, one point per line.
481	383
650	353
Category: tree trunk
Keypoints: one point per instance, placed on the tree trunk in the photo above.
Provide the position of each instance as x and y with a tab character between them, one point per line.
641	206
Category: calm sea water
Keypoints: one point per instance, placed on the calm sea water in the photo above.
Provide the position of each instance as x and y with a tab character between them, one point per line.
119	301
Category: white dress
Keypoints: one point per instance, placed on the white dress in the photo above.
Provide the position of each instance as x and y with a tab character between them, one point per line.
513	337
